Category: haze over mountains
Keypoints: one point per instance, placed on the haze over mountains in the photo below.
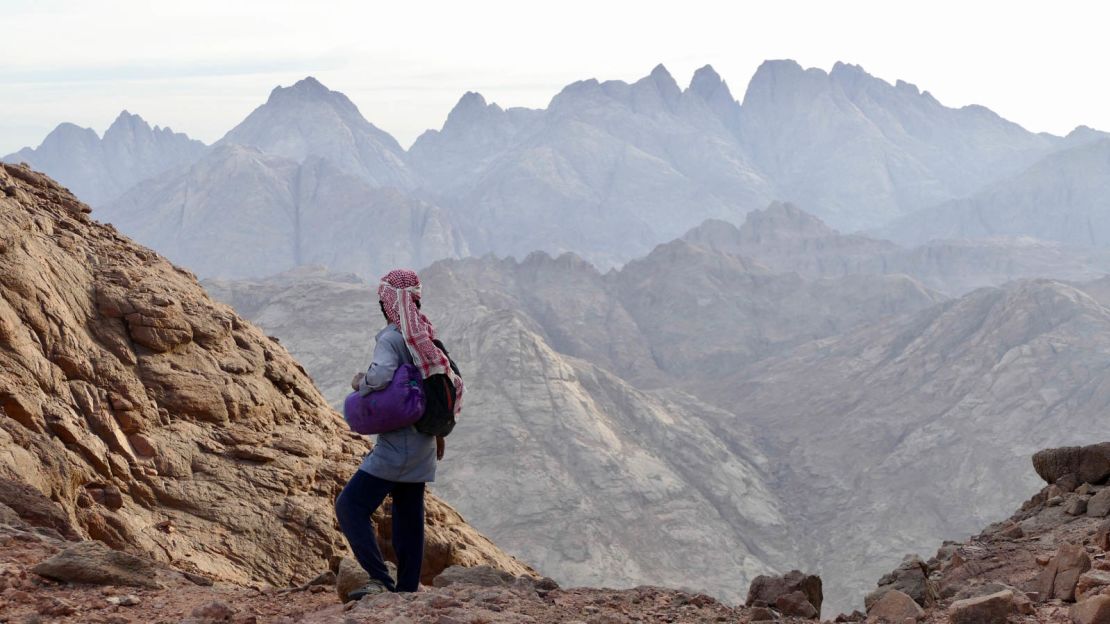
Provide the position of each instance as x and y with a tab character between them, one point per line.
608	170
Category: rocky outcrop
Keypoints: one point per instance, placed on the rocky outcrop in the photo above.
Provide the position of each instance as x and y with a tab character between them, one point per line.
262	213
1077	464
158	421
794	593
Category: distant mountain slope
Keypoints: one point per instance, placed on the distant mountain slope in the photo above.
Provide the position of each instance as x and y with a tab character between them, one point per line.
307	120
1065	197
99	169
786	238
860	151
898	434
242	213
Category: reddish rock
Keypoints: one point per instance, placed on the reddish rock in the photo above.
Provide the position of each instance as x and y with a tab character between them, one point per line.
1102	536
1059	578
1091	582
1094	610
992	609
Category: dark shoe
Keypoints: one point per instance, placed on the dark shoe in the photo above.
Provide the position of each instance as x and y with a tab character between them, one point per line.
373	587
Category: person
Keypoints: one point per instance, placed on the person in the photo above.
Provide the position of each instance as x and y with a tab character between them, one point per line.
402	461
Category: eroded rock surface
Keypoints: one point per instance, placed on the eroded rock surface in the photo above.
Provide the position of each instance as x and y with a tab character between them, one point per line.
159	422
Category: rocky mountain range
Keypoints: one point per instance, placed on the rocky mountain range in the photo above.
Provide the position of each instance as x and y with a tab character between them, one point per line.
137	412
785	238
100	169
610	169
286	214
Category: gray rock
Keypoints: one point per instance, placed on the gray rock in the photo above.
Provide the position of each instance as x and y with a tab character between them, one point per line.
1099	505
94	563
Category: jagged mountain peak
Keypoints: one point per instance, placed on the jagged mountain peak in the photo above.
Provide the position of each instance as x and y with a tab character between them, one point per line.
707	84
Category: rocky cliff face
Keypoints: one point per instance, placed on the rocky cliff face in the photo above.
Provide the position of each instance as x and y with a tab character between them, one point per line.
157	420
100	169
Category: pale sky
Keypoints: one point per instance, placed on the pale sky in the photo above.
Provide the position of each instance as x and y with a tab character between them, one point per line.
201	66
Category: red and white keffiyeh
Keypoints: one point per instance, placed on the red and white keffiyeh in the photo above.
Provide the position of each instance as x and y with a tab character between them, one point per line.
399	290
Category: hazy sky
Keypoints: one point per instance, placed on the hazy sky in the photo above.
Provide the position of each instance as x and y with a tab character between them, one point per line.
201	66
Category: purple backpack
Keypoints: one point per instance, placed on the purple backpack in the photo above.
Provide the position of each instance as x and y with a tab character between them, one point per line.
396	406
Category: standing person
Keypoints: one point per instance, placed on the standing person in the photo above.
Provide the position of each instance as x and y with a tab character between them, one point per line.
403	460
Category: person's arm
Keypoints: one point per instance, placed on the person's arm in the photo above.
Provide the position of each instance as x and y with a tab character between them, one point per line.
381	370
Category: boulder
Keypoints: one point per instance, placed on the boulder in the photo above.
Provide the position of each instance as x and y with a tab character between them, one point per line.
1102	536
484	576
1090	583
796	604
895	607
349	577
1099	505
910	578
766	590
1059	578
94	563
1095	610
991	609
1076	506
1089	464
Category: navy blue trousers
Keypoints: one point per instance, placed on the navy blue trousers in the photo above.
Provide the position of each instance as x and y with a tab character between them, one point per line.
358	500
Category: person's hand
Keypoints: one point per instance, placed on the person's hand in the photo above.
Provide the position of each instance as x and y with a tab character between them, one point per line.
441	445
357	380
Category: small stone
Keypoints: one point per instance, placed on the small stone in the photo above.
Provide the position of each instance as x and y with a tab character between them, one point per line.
1043	560
214	611
1012	531
992	609
756	614
1055	501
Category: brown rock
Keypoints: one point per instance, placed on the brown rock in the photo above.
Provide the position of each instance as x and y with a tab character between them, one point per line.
1076	506
1102	536
796	604
1094	610
117	364
1091	582
1099	505
1090	464
212	613
1059	578
94	563
767	589
761	614
910	578
991	609
349	577
483	576
895	606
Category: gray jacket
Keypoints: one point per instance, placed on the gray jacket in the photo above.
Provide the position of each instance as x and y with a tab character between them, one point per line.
403	455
